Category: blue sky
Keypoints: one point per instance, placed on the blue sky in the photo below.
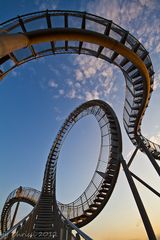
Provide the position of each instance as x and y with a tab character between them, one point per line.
36	98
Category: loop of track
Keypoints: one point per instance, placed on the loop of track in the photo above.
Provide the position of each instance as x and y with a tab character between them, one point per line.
93	199
106	40
84	33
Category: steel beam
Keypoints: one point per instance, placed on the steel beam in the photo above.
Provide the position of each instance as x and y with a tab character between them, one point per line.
132	157
15	213
142	211
145	184
11	42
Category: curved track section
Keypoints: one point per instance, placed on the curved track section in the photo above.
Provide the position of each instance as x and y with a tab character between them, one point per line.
72	32
93	199
27	195
96	195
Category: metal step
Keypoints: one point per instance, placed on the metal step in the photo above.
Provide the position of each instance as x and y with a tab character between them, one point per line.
136	74
124	62
138	88
40	221
93	206
98	200
103	191
82	217
131	68
91	210
101	195
43	229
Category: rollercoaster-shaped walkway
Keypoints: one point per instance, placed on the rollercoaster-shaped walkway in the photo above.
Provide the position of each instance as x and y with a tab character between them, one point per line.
46	33
107	41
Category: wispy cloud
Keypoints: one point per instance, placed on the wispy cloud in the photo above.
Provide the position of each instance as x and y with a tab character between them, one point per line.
157	80
52	84
59	114
72	94
94	77
53	69
137	16
61	91
94	94
47	4
155	138
15	73
79	75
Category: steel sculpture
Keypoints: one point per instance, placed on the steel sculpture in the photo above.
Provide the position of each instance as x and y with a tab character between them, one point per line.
93	199
21	40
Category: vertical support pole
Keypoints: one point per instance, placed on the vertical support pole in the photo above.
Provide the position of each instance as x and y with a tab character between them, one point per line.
69	233
9	236
141	208
66	229
77	237
63	232
15	213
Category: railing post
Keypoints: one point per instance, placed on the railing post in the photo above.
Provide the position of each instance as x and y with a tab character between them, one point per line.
69	233
9	236
78	237
63	233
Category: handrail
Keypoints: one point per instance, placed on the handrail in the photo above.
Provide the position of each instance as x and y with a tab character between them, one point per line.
74	227
138	73
125	45
4	235
82	234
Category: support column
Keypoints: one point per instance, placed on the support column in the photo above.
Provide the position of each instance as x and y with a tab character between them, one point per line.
142	211
15	213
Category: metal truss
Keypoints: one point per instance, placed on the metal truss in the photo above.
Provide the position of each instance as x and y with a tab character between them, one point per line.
39	34
93	199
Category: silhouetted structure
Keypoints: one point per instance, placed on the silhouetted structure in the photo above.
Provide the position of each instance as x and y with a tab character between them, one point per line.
81	33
